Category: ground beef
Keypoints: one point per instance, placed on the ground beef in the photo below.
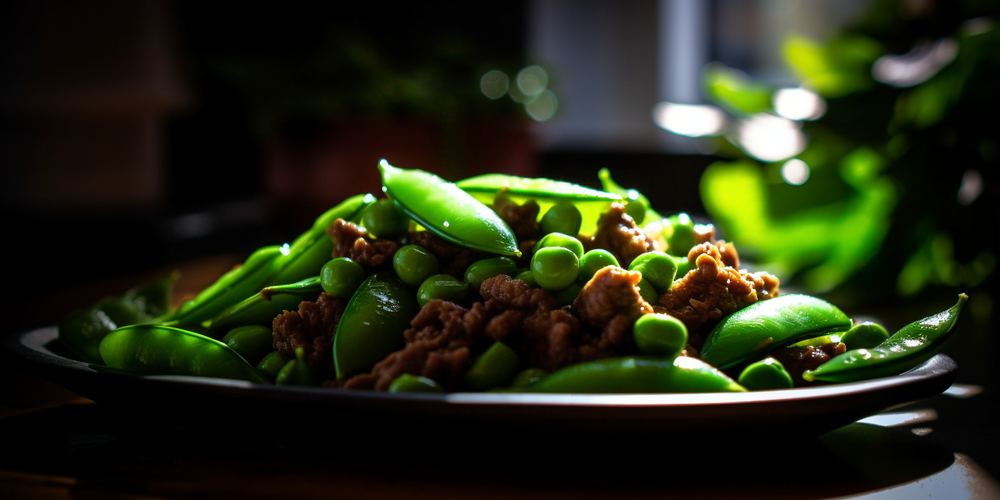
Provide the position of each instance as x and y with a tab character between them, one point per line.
609	304
454	259
351	240
618	234
522	219
445	337
437	347
797	360
707	294
311	327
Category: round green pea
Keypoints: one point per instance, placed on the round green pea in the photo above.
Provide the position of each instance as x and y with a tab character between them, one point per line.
658	268
493	368
568	295
660	334
252	342
555	268
484	269
865	335
414	383
414	264
444	287
595	260
764	375
526	276
527	377
647	291
679	232
296	371
271	364
340	277
563	217
560	240
634	208
383	219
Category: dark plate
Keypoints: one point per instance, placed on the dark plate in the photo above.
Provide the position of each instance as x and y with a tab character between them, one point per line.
810	411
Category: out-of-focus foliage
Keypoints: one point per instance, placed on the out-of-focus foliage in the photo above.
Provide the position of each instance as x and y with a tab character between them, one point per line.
894	190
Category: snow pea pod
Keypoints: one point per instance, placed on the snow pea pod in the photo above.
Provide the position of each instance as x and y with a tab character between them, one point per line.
533	188
447	211
166	350
769	324
272	265
372	325
909	347
83	330
313	248
635	375
638	205
591	203
261	307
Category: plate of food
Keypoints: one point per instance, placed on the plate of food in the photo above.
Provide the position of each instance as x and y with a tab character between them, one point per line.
497	301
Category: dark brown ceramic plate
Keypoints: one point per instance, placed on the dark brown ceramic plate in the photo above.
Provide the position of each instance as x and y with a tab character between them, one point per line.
809	410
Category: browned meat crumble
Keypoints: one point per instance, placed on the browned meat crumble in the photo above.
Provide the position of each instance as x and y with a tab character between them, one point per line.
711	291
311	327
351	240
797	360
619	234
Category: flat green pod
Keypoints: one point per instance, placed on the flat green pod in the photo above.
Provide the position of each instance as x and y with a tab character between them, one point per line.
373	323
639	374
769	324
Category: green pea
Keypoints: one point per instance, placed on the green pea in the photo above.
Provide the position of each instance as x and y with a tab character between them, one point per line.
560	240
526	276
658	268
647	291
634	209
527	377
595	260
555	268
660	334
765	375
444	287
864	336
679	232
414	264
252	342
568	295
563	217
272	363
340	277
484	269
413	383
296	371
383	219
493	368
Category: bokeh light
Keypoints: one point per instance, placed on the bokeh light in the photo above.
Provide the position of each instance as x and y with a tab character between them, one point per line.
494	84
692	120
917	65
799	104
769	137
532	81
543	107
795	172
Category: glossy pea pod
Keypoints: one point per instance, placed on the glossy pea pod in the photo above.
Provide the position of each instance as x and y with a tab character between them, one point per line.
445	210
273	265
166	350
590	203
769	324
637	375
372	325
638	205
262	307
908	348
83	330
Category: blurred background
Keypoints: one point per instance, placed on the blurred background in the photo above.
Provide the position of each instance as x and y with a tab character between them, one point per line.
850	146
